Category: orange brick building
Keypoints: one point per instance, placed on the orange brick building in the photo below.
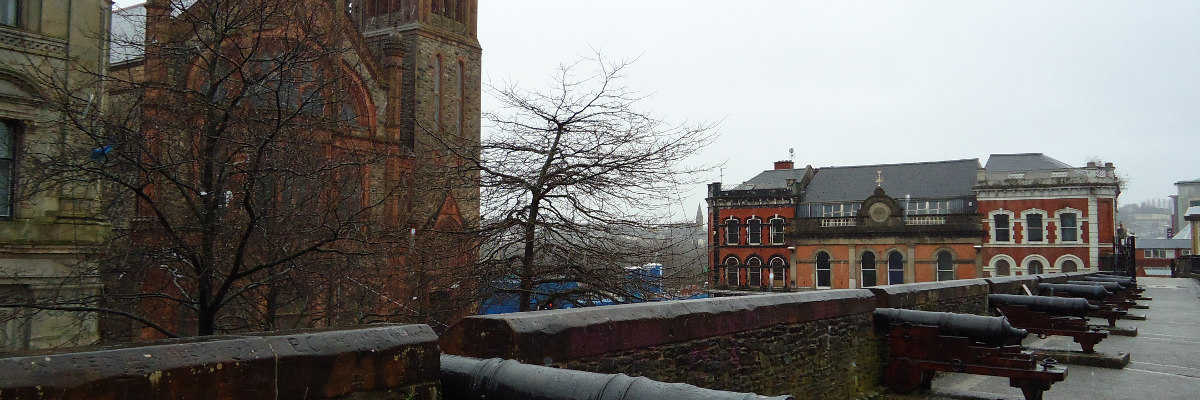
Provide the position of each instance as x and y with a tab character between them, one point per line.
860	226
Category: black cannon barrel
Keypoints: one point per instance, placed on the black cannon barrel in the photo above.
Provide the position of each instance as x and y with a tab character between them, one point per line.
1125	283
993	331
1109	286
473	378
1055	306
1085	291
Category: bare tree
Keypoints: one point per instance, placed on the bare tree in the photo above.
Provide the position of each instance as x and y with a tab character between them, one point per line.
246	179
577	183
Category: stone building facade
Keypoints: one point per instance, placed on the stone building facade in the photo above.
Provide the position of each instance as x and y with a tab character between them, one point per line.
45	233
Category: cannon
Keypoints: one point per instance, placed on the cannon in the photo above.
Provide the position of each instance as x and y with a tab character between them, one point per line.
1126	283
1122	297
1110	309
473	378
921	343
1045	315
1092	293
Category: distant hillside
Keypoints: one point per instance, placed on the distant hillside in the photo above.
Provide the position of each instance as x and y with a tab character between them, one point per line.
1149	219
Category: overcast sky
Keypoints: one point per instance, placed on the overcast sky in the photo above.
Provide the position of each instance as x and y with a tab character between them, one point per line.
870	82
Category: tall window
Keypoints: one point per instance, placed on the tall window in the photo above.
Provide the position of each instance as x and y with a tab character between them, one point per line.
14	322
731	232
8	140
731	271
458	123
776	230
754	271
437	91
1035	267
1069	227
1003	268
895	268
778	270
9	10
824	272
945	266
868	269
1001	227
1070	266
754	231
1033	228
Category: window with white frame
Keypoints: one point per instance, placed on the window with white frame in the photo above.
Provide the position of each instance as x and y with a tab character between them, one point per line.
867	264
1068	225
945	266
926	207
1148	253
778	269
777	228
1034	228
731	231
754	231
824	270
8	140
731	271
1001	228
1170	253
754	271
840	209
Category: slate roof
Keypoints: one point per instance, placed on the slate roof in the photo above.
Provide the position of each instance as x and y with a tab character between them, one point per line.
925	180
1023	162
772	179
1184	234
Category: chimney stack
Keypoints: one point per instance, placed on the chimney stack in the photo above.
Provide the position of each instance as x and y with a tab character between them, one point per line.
788	164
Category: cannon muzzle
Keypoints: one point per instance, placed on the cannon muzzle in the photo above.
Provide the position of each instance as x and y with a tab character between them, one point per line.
991	331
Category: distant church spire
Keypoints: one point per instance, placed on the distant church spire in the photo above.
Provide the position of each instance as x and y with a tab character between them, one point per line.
699	214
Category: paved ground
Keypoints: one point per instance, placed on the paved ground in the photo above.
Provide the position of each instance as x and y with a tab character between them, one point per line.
1164	357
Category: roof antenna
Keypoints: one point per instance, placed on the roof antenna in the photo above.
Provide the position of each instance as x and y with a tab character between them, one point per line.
792	154
878	178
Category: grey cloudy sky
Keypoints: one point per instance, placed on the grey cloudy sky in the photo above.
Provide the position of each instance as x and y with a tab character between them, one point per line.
868	82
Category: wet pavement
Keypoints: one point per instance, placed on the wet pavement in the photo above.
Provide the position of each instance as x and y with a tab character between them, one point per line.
1164	356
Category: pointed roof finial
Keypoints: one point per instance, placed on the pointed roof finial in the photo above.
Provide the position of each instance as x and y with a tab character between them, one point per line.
879	178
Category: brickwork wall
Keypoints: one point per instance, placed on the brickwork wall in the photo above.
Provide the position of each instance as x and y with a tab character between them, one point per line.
381	362
819	344
834	358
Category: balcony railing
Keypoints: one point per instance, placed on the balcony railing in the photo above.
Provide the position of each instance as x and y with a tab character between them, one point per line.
837	222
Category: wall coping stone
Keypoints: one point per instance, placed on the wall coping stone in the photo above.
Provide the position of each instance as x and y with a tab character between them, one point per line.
1009	284
545	337
288	364
908	295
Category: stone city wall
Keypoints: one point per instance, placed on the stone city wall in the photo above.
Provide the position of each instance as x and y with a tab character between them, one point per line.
818	344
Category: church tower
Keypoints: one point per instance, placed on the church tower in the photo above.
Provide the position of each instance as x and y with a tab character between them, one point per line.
432	58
